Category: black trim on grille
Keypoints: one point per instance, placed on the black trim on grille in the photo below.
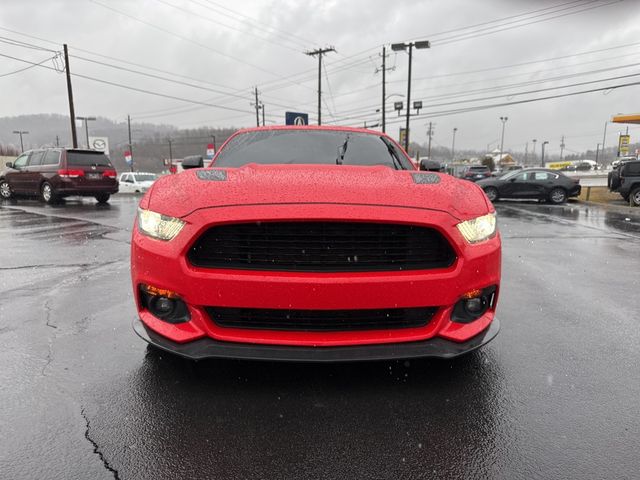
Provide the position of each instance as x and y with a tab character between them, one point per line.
322	247
320	320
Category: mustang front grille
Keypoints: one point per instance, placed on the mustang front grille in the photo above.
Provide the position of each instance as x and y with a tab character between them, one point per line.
322	247
320	320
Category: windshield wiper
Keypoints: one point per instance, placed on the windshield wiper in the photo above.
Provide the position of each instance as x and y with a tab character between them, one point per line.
342	151
393	153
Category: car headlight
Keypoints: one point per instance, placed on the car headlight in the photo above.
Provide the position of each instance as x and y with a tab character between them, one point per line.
478	229
158	226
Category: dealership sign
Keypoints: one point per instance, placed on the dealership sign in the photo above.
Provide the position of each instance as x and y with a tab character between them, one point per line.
99	143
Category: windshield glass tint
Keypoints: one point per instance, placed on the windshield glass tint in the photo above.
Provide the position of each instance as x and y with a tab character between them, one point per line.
88	159
309	147
145	177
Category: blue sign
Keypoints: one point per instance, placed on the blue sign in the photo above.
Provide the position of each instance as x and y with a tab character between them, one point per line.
296	118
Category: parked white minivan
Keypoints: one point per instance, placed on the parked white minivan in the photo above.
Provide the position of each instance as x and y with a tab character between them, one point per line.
136	182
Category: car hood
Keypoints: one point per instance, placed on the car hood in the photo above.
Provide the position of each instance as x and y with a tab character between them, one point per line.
181	194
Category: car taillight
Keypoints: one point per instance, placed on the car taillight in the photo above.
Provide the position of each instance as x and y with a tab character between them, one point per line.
71	173
109	173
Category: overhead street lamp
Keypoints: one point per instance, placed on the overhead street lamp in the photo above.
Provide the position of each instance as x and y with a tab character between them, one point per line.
384	109
504	121
453	144
399	47
543	144
86	121
21	132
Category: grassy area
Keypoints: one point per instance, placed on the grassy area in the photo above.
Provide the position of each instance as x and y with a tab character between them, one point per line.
601	195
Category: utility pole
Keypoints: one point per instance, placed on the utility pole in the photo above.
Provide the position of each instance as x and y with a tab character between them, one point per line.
170	153
257	105
319	52
453	144
534	150
130	144
562	148
21	132
262	108
213	137
430	134
57	141
597	151
384	87
526	153
72	114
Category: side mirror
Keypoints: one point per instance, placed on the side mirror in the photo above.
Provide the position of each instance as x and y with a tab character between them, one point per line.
194	161
429	165
9	164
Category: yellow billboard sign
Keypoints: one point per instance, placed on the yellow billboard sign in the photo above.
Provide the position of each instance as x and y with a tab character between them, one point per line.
623	145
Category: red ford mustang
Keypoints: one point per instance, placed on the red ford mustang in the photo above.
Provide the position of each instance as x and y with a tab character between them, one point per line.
315	244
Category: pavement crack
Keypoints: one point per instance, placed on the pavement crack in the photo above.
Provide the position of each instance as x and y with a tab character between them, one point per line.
96	447
47	309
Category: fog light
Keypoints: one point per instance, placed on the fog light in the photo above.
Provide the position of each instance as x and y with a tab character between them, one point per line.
163	305
473	305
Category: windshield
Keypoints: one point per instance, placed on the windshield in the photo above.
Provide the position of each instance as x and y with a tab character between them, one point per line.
87	159
145	177
269	147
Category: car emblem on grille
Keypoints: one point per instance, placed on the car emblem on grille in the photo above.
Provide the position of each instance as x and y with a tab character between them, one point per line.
93	167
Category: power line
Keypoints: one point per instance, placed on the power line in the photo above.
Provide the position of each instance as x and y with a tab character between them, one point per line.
218	23
187	39
26	68
128	87
514	23
518	102
275	31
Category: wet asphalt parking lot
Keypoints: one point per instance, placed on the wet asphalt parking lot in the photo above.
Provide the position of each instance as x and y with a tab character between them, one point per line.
556	395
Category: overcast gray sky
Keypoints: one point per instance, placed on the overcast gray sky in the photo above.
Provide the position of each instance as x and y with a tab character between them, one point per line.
228	47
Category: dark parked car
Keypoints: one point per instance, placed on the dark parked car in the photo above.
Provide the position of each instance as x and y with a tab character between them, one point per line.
629	182
538	183
613	179
54	173
477	172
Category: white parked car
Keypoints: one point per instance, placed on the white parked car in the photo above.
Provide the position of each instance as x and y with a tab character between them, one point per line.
136	182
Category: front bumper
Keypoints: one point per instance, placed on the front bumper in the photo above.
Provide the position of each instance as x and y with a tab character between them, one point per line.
165	265
210	348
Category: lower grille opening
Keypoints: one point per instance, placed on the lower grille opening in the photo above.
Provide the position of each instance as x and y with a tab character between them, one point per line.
321	320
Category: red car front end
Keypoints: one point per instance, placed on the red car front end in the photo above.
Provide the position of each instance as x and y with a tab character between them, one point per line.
316	263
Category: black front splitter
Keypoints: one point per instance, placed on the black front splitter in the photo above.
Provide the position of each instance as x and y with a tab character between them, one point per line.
210	348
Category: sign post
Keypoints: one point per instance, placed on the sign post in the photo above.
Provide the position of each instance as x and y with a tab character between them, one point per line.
210	151
128	158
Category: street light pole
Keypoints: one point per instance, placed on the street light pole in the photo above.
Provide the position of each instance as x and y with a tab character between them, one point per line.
504	121
533	151
130	143
21	132
403	47
453	144
597	152
542	162
604	137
